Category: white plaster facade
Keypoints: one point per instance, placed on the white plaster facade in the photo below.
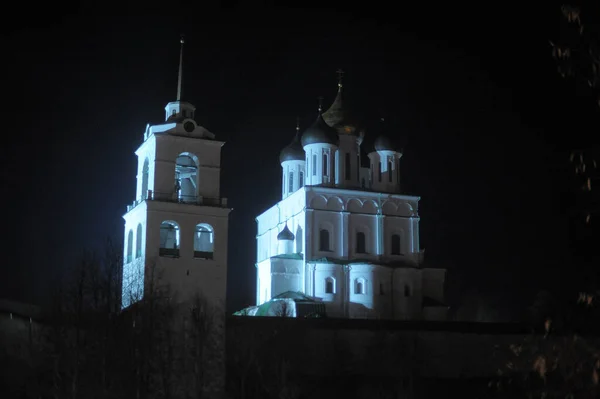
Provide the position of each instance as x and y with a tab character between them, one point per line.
176	228
355	238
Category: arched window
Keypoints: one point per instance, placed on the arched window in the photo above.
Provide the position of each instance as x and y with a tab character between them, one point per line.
301	178
129	246
363	183
325	165
324	240
396	244
361	243
145	171
358	167
169	239
138	241
329	285
379	170
381	289
406	290
186	177
204	238
390	171
314	164
291	183
398	172
360	286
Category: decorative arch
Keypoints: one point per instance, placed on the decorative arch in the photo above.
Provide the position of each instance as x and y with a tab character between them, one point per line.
405	209
335	204
186	177
129	256
389	208
318	202
169	239
369	206
360	286
138	241
145	178
330	287
354	205
204	241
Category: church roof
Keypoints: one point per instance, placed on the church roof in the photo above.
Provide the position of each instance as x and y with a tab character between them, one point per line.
319	132
285	234
294	150
338	117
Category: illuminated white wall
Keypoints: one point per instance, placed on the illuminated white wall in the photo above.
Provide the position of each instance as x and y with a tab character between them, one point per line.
183	269
384	292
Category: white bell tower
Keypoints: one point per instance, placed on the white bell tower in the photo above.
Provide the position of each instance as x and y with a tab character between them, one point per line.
176	228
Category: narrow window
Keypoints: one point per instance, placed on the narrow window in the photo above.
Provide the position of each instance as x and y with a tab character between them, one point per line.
357	166
204	241
301	178
360	243
381	290
325	171
291	183
379	165
129	246
348	170
396	244
329	286
398	172
324	240
169	239
390	171
138	241
359	286
314	165
406	290
363	183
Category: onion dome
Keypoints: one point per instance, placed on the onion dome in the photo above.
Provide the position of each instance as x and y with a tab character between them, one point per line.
294	150
285	234
319	132
383	142
337	117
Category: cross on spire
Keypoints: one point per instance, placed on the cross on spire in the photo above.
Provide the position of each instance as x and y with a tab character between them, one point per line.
340	74
180	77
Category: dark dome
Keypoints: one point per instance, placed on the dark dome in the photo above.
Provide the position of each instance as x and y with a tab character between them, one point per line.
383	143
285	234
319	132
293	151
338	118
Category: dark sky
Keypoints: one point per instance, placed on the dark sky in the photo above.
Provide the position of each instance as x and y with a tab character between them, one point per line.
471	93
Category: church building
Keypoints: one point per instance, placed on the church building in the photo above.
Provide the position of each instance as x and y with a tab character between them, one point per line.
343	234
176	228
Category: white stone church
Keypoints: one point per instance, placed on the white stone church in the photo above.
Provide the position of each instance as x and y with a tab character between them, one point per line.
342	233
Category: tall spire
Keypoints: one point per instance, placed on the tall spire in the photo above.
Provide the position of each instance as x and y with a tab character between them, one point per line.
320	104
340	74
182	41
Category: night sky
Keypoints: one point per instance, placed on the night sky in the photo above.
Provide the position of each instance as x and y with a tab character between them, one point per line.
472	94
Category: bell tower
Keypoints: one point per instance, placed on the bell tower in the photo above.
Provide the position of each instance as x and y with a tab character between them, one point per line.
176	228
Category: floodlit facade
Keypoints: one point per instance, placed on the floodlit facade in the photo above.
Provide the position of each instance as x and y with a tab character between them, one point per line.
342	233
176	228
